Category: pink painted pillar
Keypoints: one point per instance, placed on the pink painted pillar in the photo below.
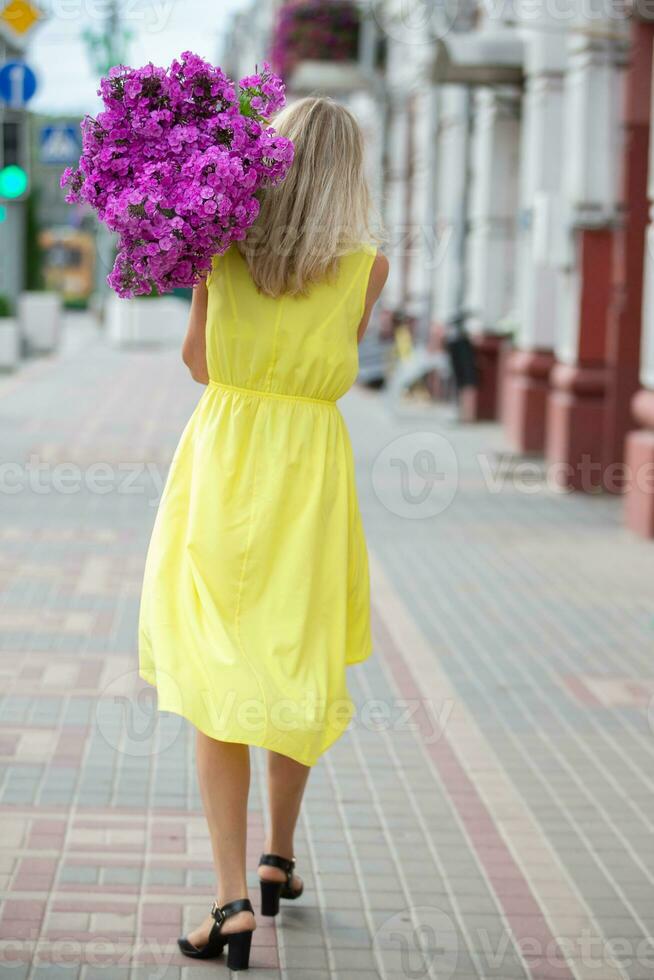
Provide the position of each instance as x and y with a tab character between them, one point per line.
575	407
639	455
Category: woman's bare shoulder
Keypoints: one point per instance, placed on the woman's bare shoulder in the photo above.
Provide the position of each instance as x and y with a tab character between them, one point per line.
379	270
381	261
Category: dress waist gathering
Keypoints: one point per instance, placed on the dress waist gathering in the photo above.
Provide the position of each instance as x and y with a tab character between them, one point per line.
258	393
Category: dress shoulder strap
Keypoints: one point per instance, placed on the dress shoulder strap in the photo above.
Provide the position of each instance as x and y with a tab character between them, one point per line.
351	284
358	264
222	259
367	256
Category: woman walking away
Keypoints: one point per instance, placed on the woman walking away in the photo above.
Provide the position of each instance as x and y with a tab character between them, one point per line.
256	590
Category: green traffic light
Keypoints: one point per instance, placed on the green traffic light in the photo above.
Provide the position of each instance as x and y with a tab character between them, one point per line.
13	182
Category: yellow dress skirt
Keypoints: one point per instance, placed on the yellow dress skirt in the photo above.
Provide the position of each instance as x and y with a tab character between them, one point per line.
256	593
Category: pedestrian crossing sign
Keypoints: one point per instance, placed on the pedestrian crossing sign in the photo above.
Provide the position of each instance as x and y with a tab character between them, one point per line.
59	144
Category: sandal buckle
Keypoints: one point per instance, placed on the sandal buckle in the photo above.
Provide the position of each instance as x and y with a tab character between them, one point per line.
217	913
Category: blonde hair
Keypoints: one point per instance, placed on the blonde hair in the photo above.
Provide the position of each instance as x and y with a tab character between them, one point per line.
321	211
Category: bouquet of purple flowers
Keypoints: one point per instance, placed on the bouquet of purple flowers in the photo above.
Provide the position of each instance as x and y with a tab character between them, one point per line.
173	165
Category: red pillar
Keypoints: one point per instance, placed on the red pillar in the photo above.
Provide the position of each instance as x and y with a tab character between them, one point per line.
639	498
575	407
639	453
483	403
625	315
524	398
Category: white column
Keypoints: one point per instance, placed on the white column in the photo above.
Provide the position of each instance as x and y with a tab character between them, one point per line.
368	110
247	38
396	218
408	161
452	178
422	237
493	207
540	191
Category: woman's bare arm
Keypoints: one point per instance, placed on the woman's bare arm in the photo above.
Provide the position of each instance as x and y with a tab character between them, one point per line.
194	350
377	281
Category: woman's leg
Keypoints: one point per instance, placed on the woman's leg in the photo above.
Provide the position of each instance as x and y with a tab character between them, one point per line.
287	780
224	778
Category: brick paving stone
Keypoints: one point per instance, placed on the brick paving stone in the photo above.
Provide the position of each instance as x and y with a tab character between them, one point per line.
304	957
160	973
305	974
52	971
497	806
19	971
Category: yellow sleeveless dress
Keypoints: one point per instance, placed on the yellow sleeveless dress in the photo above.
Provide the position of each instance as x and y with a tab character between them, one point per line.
256	593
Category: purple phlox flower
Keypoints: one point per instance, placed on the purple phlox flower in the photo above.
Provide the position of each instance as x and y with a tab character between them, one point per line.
173	164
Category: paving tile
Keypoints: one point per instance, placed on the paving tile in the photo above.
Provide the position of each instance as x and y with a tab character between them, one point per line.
302	958
101	973
306	974
524	810
53	971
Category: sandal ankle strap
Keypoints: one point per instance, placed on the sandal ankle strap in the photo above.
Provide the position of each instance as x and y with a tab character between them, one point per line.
275	861
222	912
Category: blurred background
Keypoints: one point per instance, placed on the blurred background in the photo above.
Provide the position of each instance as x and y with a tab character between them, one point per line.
489	814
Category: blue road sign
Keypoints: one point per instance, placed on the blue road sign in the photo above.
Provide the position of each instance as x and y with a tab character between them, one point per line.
17	84
59	144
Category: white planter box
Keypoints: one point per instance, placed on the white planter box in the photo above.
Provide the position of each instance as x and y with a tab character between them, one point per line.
9	343
146	322
40	316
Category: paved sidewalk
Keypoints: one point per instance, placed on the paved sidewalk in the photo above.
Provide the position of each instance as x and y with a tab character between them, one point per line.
488	815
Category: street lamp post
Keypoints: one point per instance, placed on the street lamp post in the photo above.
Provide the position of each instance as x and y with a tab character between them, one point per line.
108	47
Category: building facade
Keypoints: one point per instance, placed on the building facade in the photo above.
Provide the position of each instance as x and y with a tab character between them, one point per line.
511	153
537	202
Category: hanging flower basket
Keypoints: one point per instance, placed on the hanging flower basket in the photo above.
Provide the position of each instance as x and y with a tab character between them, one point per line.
315	30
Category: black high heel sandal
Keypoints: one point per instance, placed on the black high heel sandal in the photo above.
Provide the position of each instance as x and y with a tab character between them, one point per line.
272	891
238	943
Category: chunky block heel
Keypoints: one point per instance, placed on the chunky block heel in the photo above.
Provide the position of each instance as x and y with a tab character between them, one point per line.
272	891
238	943
238	950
